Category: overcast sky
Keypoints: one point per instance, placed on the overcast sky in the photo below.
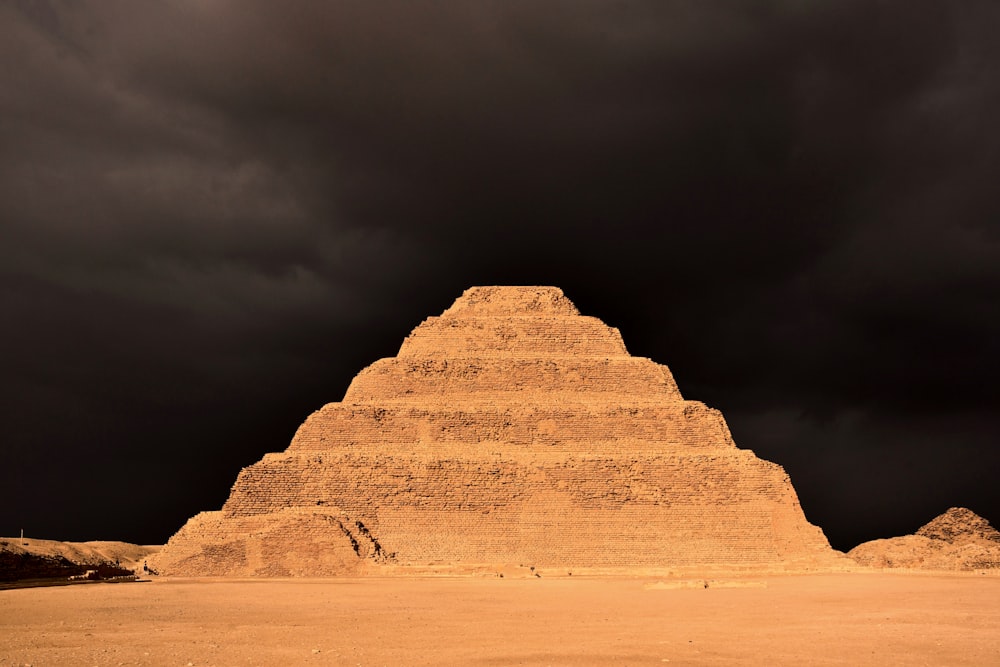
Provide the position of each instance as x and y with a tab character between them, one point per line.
214	213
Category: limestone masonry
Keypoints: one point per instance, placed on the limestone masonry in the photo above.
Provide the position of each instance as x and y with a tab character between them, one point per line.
509	430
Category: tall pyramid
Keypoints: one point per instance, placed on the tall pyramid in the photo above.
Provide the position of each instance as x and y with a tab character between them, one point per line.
508	430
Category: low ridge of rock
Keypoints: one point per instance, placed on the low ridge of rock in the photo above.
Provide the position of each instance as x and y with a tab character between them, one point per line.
32	558
959	539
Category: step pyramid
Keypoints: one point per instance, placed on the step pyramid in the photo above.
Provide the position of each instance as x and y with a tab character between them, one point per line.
508	430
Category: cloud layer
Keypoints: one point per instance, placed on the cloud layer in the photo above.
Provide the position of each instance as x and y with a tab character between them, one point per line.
212	214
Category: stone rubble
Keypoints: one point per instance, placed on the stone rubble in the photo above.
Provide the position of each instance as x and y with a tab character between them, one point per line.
959	540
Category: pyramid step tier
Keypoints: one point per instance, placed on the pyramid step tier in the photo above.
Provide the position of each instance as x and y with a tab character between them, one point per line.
513	336
470	427
358	484
669	510
535	534
394	377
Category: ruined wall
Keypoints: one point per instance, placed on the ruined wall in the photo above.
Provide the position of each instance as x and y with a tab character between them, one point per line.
509	429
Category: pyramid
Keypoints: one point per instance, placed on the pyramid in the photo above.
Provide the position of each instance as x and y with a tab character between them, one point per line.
959	539
960	525
508	430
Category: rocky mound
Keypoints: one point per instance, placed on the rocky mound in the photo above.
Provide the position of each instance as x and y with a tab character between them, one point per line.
510	429
22	559
959	539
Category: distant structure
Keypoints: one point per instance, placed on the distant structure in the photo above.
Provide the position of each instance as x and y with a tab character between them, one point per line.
959	539
508	430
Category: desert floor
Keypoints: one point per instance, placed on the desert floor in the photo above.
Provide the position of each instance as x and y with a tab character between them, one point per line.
842	619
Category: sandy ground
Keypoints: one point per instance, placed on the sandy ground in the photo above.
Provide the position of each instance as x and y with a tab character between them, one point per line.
841	619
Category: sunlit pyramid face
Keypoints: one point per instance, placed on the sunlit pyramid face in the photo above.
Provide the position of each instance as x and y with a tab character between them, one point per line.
509	429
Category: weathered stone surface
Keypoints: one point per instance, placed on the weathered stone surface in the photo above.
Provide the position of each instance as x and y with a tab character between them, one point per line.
960	526
288	542
959	539
510	429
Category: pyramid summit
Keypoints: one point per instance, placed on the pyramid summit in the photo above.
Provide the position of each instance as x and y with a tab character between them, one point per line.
508	430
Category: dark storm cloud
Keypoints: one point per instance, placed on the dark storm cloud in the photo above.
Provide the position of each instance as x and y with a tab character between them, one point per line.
214	213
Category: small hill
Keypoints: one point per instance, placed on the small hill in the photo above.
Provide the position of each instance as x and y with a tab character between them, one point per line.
959	539
22	559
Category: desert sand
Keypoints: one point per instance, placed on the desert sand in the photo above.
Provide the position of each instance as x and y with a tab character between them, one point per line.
832	619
